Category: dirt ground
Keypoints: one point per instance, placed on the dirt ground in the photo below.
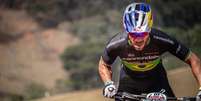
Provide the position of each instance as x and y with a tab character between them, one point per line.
183	82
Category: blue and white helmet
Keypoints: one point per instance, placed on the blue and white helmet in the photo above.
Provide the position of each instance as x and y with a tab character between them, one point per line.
138	18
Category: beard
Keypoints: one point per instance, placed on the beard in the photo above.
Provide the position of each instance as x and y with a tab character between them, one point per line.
139	48
139	45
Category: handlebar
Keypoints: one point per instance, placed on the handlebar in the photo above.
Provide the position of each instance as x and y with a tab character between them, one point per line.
123	96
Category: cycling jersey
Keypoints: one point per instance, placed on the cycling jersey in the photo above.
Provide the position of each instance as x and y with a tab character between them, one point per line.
146	62
142	71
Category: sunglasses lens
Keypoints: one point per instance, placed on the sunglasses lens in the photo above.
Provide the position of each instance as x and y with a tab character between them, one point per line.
136	35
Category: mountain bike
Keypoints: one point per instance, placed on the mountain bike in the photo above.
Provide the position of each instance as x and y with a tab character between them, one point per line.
154	96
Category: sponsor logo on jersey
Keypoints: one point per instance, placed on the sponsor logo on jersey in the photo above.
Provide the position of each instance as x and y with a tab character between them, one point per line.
142	66
131	55
141	58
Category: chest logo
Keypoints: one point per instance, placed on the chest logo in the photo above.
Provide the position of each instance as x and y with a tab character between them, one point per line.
131	55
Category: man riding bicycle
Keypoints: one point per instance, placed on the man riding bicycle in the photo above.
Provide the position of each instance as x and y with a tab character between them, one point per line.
140	48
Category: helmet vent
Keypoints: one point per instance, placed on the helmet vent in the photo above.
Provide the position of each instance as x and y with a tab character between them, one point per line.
129	9
130	18
137	7
143	19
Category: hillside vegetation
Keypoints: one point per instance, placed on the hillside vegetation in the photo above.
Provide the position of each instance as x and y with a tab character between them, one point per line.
30	54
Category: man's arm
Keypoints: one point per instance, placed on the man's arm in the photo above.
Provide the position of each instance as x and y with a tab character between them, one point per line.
106	75
195	64
105	71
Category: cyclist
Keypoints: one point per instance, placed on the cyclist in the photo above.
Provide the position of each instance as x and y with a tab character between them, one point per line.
140	48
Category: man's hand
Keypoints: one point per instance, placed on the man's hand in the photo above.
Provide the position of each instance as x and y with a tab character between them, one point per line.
109	89
198	97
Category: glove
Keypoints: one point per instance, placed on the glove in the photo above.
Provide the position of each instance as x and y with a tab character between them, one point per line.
109	89
198	97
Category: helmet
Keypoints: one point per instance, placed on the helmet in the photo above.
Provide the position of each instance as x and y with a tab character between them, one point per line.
138	18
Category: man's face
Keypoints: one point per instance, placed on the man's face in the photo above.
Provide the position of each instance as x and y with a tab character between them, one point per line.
139	41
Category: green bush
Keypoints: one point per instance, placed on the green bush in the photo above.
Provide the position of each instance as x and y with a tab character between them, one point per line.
84	79
11	98
98	28
178	13
195	35
81	62
180	34
34	91
190	37
78	56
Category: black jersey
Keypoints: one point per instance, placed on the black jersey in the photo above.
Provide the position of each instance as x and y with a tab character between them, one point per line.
146	61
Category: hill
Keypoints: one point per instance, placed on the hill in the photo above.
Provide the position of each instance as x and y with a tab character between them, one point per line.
181	80
29	53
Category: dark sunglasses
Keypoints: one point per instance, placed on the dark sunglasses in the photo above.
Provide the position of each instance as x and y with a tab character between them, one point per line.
136	35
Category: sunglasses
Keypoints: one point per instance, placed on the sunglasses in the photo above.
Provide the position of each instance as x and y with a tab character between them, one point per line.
137	35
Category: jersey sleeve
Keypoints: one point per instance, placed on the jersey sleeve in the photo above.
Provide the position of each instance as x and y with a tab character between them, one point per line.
109	56
177	48
114	48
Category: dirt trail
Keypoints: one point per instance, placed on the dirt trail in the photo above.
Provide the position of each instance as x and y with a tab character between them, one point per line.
181	81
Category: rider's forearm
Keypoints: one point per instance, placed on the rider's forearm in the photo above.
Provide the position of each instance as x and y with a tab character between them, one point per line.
195	63
105	71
